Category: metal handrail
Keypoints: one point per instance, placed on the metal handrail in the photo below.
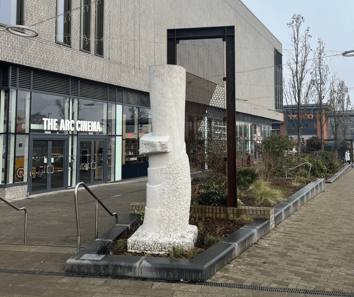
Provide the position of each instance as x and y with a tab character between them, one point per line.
286	172
96	212
19	209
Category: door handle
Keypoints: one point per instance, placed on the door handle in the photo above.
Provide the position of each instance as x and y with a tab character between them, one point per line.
48	172
93	165
52	169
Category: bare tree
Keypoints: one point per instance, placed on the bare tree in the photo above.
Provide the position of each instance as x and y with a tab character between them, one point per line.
320	79
299	88
339	103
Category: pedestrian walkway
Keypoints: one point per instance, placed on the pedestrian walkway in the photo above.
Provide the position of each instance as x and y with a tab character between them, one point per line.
312	249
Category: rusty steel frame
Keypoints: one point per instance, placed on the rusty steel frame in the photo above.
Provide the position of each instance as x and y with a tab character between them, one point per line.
227	34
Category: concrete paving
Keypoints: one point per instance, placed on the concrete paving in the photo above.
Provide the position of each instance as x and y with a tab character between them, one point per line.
312	249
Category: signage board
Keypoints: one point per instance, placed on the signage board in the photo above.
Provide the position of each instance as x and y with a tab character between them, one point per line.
71	125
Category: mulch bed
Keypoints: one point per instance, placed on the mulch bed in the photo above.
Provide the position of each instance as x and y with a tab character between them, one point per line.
218	228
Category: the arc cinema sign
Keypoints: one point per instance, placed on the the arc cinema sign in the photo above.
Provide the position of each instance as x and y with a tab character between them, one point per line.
71	125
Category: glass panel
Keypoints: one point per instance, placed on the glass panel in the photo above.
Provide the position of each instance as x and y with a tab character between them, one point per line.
99	27
12	111
118	158
3	158
130	122
64	21
72	160
21	163
144	126
10	158
39	165
85	161
3	110
110	158
85	25
98	159
131	151
144	121
75	111
23	104
111	119
119	127
8	12
57	162
60	20
93	111
52	107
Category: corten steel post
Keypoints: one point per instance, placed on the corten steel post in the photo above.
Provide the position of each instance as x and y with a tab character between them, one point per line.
231	121
228	35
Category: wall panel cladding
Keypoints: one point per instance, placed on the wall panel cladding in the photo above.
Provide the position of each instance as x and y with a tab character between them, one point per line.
74	87
135	38
93	91
24	78
50	83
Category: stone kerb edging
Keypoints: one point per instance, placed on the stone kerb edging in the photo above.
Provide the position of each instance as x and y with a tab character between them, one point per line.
285	208
87	262
338	174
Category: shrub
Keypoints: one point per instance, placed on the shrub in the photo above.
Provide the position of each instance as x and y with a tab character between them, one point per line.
141	214
246	176
327	159
313	144
274	151
211	195
212	240
318	169
121	245
262	192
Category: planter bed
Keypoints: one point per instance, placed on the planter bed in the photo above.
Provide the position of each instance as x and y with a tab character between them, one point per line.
88	262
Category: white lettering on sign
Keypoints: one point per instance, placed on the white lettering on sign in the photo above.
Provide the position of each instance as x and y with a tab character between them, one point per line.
71	125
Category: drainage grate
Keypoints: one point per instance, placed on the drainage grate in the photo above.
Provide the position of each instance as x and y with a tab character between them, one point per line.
210	284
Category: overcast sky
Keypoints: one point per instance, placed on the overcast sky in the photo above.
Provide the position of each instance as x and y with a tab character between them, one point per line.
331	20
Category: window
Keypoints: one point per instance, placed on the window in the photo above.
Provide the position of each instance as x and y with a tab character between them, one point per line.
85	24
11	12
99	28
63	22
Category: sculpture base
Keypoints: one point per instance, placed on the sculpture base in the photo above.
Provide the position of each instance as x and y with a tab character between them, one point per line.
153	243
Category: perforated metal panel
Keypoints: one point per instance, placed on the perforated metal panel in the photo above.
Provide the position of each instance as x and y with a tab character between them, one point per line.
5	77
13	76
50	83
93	91
74	87
112	94
24	78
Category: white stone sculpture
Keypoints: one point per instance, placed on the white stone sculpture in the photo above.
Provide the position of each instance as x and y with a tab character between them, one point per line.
168	191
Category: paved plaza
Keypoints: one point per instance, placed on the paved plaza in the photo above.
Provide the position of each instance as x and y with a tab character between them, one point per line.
311	250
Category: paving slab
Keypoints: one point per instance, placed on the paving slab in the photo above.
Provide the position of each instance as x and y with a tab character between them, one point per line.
314	243
312	249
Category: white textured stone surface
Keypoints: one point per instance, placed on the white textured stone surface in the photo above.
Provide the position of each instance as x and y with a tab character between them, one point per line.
150	144
168	194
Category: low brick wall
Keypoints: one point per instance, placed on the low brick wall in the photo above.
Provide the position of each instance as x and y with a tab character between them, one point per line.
217	212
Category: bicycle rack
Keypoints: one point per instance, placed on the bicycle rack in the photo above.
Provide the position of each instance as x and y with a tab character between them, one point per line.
286	172
98	201
19	209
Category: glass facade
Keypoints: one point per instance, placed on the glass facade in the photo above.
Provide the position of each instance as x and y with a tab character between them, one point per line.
52	141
